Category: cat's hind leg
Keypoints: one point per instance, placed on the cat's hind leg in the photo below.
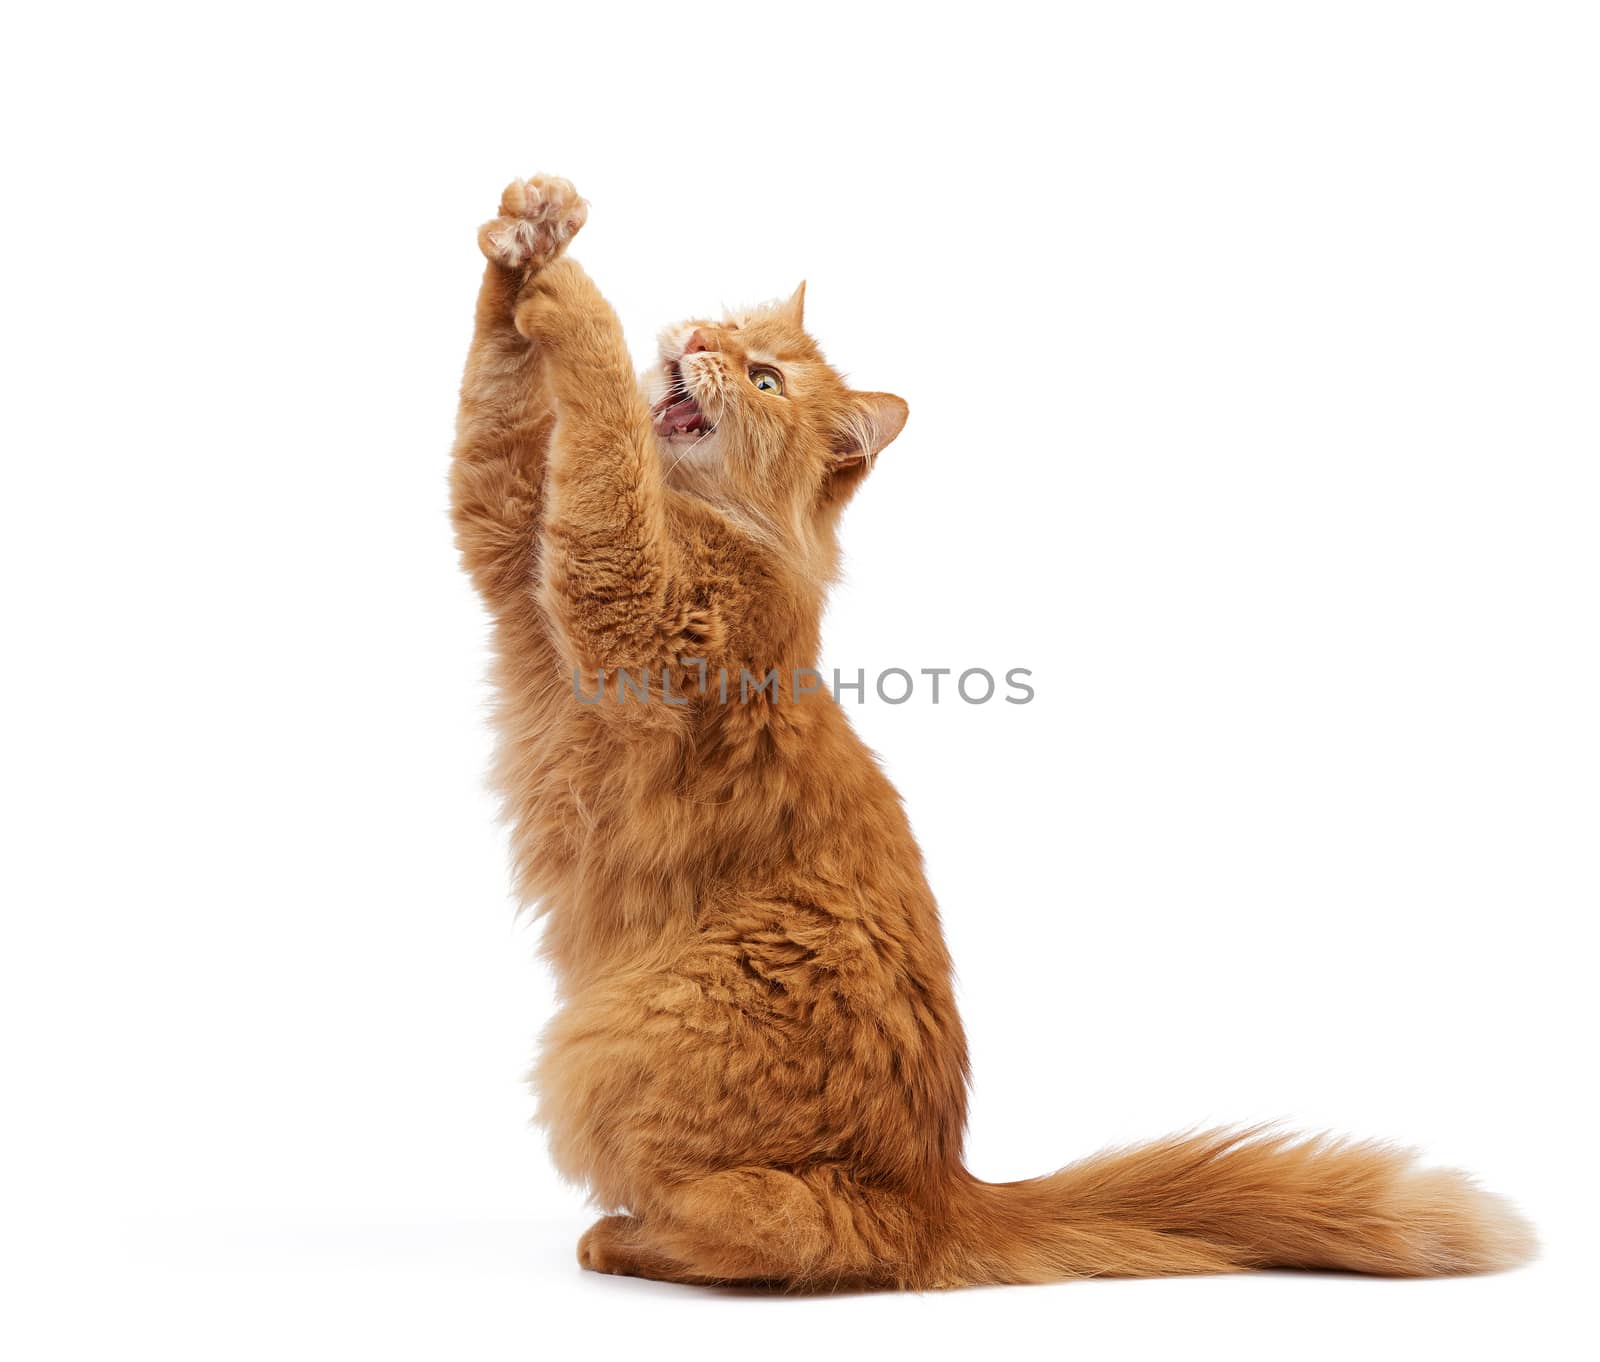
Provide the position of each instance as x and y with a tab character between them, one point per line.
813	1229
621	1245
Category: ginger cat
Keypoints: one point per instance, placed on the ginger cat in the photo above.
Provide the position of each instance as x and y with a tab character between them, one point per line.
758	1062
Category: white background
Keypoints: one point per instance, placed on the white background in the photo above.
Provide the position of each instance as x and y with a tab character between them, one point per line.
1251	355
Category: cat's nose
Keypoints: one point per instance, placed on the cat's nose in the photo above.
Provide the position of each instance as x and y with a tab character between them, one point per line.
698	341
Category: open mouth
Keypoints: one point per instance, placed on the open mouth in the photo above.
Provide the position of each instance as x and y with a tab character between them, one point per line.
678	413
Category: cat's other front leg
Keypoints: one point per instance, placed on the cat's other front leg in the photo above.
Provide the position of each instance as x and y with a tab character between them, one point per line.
609	566
506	414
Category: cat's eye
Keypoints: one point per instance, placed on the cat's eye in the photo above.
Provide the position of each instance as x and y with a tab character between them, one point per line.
767	380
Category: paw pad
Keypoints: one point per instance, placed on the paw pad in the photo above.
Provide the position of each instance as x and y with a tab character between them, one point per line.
538	217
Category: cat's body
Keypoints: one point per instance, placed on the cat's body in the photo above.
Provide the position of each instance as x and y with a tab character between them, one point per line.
758	1056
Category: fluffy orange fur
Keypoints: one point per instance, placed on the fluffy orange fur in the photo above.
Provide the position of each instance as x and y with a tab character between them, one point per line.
757	1063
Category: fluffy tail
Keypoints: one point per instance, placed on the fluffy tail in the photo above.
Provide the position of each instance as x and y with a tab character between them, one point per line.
1223	1201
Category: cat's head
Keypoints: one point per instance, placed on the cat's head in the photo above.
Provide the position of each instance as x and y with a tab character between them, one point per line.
750	414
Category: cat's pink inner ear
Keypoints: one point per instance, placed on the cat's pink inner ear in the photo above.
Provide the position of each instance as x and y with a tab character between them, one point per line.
880	417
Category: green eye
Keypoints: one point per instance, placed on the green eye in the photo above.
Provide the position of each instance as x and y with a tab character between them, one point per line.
767	380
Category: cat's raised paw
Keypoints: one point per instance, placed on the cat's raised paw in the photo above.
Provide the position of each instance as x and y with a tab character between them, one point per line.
538	217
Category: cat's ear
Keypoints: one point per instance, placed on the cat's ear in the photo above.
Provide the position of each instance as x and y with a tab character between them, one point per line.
793	310
874	420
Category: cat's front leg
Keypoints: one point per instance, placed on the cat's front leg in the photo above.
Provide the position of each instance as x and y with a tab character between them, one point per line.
590	371
505	416
611	576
